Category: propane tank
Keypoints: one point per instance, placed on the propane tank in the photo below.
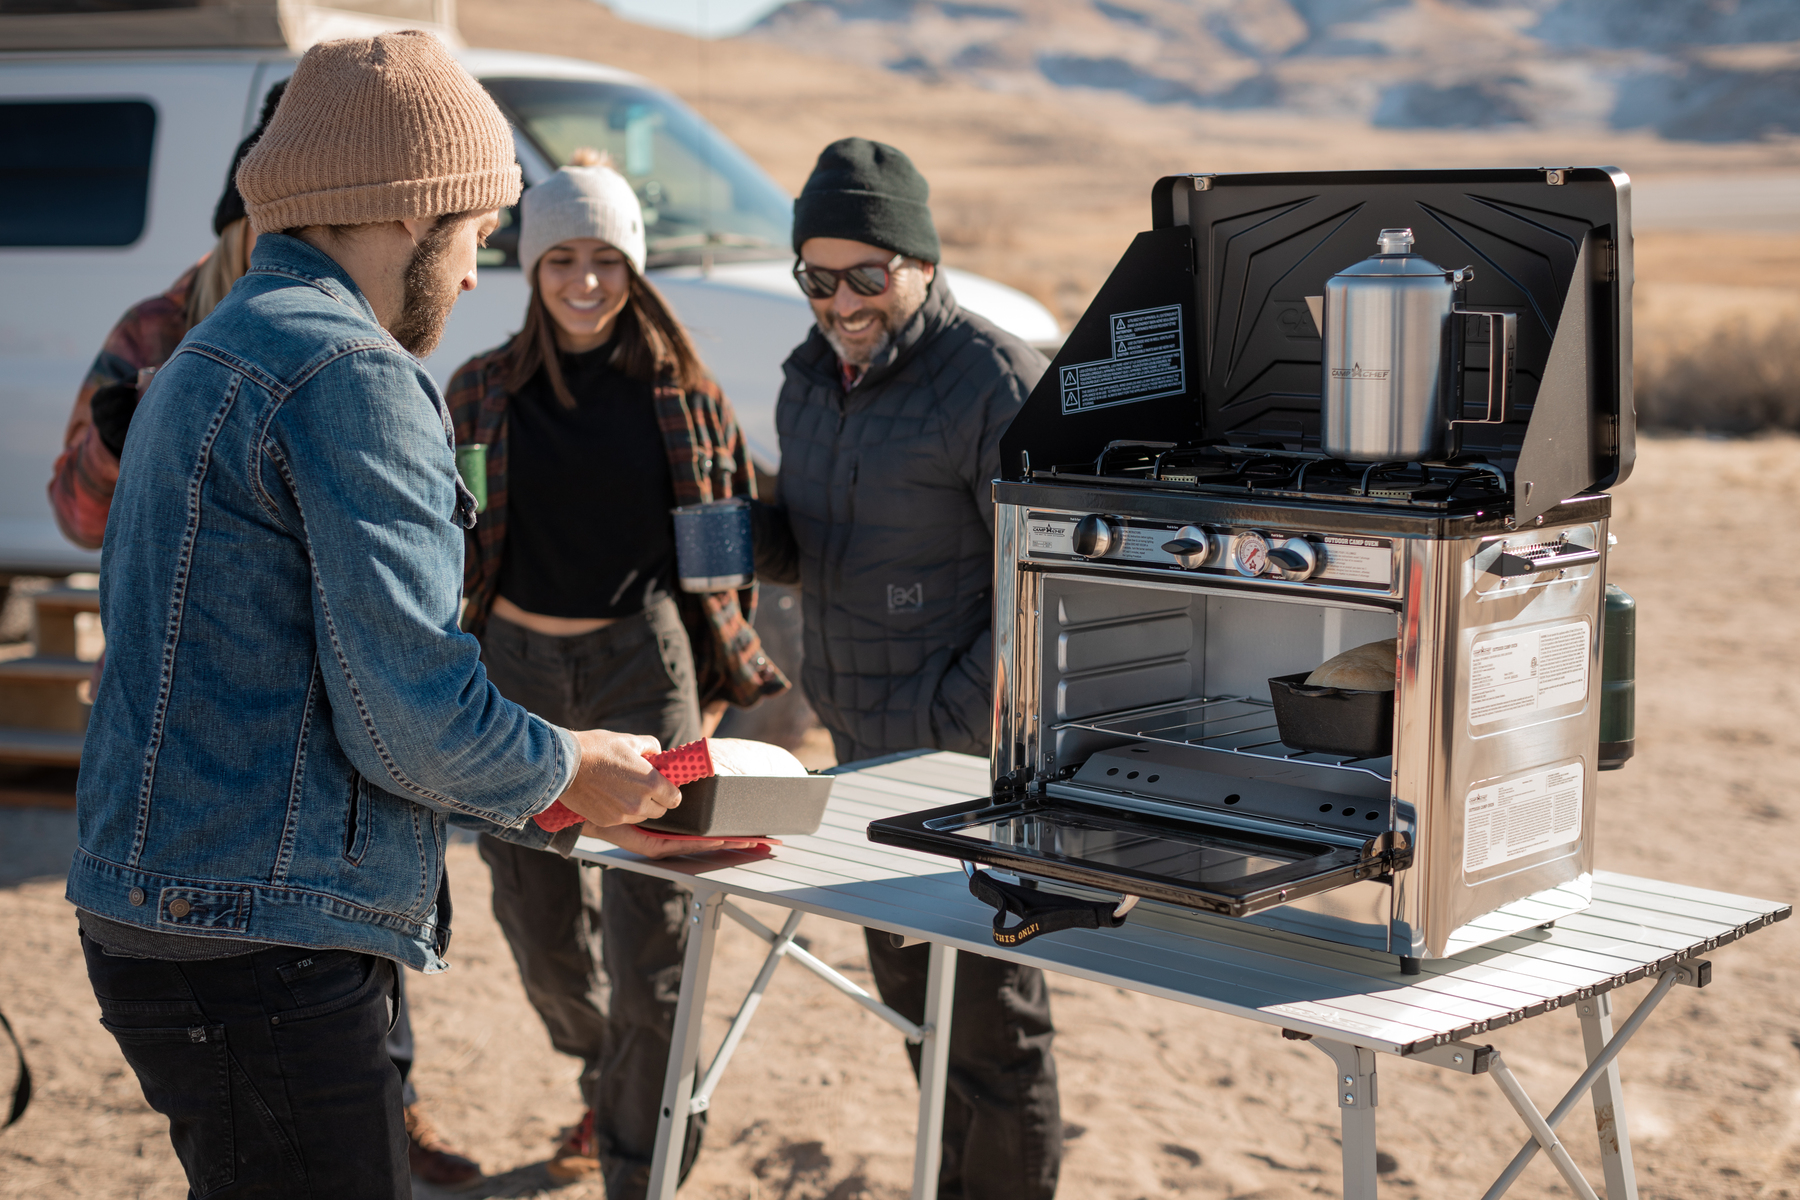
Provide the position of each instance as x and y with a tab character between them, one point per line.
1618	684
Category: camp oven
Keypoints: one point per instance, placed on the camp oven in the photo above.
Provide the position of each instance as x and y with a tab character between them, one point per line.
1171	537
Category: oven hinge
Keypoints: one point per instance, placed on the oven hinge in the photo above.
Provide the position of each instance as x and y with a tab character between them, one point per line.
1394	848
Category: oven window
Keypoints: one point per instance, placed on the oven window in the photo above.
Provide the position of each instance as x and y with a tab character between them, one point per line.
1197	857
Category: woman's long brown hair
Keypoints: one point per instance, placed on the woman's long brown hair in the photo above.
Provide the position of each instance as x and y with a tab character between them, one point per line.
649	342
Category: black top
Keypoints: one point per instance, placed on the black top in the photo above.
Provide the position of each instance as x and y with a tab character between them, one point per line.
588	531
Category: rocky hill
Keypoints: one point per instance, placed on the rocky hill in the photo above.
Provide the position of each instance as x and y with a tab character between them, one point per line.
1695	70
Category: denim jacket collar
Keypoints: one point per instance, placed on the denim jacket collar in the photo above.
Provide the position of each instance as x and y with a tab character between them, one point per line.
280	254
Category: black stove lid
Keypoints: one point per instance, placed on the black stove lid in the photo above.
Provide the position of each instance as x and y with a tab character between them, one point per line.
1203	331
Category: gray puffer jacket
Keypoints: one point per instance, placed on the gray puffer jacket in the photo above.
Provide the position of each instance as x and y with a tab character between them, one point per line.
885	517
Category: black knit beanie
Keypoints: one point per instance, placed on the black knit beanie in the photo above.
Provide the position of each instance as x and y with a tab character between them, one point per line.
867	192
231	204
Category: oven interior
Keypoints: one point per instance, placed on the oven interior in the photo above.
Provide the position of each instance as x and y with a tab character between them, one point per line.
1160	771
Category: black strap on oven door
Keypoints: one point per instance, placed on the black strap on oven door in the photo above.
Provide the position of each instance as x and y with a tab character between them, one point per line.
1039	912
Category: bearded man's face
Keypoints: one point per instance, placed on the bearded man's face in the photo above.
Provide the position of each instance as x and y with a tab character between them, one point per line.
860	327
441	268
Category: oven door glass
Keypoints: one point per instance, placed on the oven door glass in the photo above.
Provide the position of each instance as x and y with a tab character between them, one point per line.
1231	869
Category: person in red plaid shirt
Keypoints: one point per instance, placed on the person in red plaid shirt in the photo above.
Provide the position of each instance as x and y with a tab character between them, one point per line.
597	419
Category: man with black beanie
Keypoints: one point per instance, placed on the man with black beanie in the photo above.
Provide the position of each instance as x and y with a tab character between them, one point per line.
890	419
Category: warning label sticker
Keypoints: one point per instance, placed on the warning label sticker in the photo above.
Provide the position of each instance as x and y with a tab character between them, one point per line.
1518	817
1146	363
1358	560
1526	672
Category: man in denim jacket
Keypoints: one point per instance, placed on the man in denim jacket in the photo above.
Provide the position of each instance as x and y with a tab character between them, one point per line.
290	717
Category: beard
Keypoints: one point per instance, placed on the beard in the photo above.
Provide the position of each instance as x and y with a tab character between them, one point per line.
431	289
908	288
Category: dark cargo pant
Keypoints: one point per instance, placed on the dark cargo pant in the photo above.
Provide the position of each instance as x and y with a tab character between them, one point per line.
600	952
1002	1115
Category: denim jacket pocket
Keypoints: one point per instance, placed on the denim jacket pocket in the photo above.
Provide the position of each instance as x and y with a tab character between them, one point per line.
357	820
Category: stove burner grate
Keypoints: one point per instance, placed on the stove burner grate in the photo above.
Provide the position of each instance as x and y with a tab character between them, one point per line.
1272	472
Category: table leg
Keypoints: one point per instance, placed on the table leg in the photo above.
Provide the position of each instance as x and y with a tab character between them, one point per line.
1357	1097
1609	1101
684	1049
934	1071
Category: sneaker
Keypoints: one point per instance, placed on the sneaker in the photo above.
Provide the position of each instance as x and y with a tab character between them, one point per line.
576	1155
431	1157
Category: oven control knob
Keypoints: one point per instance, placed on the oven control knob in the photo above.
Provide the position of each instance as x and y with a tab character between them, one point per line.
1192	546
1250	554
1094	536
1295	558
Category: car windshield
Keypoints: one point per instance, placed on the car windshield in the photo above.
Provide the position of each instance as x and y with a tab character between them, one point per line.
701	194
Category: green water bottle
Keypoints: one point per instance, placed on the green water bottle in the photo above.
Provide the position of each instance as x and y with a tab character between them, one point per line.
1618	682
471	464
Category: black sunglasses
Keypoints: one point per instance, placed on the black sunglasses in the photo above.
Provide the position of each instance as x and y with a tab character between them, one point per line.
821	283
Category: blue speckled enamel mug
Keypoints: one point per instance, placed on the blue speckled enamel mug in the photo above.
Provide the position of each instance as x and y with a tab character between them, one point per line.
714	551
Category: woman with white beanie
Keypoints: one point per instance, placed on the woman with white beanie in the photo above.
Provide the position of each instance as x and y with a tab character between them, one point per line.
598	418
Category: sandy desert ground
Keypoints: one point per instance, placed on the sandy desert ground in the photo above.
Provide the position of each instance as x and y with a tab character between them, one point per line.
1162	1100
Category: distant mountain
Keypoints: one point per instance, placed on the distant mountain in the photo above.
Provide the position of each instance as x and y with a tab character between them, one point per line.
1704	70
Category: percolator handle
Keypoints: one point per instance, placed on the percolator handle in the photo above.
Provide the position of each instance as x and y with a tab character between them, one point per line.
1503	345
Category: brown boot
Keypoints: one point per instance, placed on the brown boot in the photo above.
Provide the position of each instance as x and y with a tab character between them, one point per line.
432	1158
576	1155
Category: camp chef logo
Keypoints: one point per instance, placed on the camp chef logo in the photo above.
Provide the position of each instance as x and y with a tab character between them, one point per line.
1046	529
906	599
1358	371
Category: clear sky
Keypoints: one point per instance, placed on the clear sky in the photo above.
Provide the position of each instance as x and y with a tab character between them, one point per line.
708	18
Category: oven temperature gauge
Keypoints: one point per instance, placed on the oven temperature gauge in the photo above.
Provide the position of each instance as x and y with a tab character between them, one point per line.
1250	554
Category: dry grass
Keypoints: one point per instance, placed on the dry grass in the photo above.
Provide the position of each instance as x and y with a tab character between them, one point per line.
1718	358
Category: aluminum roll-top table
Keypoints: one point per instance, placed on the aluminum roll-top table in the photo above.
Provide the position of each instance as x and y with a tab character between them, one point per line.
1352	1005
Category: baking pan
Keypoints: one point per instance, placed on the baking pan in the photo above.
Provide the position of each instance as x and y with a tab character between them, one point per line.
748	806
1329	720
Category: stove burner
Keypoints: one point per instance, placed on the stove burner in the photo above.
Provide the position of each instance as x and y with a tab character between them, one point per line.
1269	472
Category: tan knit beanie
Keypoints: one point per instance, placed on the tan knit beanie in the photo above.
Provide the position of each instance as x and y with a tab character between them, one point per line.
379	129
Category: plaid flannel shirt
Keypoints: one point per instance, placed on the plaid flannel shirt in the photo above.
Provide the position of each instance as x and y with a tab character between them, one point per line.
707	460
82	482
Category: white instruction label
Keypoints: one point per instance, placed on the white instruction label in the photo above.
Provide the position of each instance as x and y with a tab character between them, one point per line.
1146	363
1358	560
1528	671
1519	817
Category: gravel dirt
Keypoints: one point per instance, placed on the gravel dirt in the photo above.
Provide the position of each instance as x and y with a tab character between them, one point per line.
1160	1100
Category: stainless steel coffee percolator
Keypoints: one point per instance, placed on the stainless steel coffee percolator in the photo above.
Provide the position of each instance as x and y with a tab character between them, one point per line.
1393	357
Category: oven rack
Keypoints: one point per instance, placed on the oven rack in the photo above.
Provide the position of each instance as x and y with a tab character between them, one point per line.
1233	724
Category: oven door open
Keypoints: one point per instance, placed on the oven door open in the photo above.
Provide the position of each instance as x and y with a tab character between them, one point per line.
1208	862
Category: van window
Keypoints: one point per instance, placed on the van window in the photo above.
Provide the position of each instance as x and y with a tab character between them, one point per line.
75	173
701	194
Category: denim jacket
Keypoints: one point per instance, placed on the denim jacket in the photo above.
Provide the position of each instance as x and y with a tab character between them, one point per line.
290	716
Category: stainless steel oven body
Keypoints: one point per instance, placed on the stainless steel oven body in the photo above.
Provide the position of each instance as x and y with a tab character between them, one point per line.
1171	534
1488	796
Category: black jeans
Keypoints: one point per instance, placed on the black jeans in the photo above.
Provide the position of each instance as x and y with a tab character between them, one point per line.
272	1069
1002	1116
600	952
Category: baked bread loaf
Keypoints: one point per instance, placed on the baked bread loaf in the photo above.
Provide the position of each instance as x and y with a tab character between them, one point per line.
1369	667
741	756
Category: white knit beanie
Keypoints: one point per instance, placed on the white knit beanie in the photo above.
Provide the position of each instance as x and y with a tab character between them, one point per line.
581	202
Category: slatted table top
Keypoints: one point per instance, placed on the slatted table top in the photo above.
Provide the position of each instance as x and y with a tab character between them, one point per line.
1635	927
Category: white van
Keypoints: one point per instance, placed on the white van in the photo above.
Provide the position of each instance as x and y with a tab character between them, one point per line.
111	162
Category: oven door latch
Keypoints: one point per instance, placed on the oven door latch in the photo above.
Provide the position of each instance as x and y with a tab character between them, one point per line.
1041	912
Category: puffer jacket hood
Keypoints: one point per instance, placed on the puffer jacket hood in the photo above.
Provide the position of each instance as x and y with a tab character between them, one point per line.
885	517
